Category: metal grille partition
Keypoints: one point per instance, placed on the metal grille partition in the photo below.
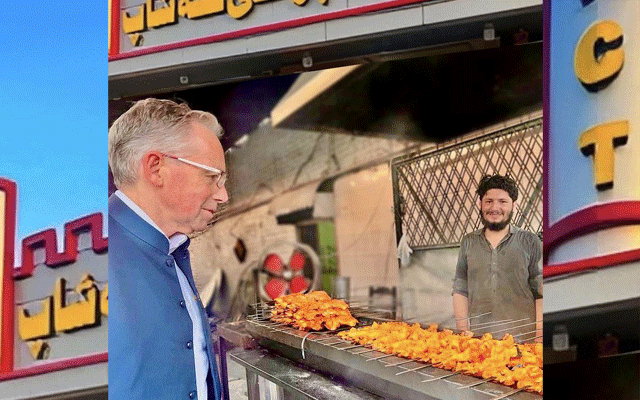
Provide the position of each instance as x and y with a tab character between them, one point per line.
434	192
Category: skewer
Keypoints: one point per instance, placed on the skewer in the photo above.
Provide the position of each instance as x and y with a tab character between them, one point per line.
381	357
346	328
366	351
369	308
332	344
411	370
268	322
324	333
353	304
440	377
351	347
475	383
321	340
506	323
400	363
420	320
377	317
526	333
532	338
509	393
468	318
276	328
513	327
475	316
490	323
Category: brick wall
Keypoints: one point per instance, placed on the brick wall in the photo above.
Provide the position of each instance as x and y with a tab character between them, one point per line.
270	163
275	160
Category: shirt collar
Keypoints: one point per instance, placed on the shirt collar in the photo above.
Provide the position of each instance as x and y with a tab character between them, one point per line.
512	229
175	240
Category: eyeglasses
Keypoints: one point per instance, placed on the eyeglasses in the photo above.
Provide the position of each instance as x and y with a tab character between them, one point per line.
221	176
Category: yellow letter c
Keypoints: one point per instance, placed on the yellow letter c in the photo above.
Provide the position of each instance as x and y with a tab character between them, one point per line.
599	56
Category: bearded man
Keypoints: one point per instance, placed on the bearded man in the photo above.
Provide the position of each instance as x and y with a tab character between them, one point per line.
498	280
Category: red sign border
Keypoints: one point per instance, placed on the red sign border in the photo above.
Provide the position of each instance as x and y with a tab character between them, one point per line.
592	219
6	341
605	261
48	240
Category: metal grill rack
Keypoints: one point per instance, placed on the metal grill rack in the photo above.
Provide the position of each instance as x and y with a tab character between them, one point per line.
387	375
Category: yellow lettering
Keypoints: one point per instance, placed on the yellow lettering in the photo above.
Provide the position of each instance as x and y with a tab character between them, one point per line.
36	326
39	349
104	301
599	142
240	10
136	23
599	56
303	2
166	15
199	8
68	317
148	16
135	39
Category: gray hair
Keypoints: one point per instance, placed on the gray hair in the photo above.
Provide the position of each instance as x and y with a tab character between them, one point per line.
152	124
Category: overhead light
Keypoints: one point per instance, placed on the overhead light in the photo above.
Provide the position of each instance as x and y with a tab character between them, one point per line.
560	339
266	121
299	95
307	61
489	33
242	141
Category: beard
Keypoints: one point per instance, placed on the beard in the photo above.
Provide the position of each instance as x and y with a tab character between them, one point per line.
496	226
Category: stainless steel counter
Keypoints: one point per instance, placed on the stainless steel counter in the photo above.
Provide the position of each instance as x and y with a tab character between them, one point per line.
273	377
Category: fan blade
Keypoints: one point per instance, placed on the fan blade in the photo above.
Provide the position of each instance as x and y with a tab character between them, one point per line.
276	288
298	284
297	261
273	264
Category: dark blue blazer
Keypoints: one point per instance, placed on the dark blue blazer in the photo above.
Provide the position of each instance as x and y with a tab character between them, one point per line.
150	331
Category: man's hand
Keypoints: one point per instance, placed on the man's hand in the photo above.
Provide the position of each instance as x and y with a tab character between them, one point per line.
538	338
461	311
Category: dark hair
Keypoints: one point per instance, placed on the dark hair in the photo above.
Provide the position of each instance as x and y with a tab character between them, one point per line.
498	182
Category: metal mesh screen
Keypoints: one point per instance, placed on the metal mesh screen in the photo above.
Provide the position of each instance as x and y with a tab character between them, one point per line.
435	198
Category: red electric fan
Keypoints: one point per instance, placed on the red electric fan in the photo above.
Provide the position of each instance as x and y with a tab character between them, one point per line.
286	268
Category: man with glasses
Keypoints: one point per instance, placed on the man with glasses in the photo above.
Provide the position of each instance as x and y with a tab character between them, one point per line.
169	168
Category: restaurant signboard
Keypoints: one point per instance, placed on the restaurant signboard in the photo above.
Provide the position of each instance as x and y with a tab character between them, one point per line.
592	155
55	304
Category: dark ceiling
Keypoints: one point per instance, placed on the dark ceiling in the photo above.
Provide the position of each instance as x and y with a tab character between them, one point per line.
431	98
239	107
